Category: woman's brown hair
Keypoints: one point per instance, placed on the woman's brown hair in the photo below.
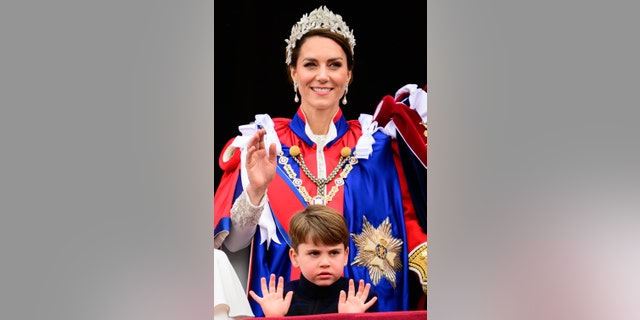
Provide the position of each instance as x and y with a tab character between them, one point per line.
338	38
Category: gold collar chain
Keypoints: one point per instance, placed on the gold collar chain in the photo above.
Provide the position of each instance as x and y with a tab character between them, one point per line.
321	196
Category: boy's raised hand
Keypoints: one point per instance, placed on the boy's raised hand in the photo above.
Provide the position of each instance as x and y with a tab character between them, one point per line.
273	303
355	302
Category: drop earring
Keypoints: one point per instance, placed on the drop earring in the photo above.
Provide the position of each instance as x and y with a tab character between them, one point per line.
295	89
344	99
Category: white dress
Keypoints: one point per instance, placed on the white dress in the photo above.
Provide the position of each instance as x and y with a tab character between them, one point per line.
229	298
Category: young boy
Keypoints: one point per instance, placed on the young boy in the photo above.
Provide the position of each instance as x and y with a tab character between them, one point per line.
320	248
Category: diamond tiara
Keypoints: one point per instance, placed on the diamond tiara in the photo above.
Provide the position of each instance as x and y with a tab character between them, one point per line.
320	18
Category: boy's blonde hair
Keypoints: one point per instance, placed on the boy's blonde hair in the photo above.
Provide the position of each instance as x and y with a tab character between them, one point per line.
319	224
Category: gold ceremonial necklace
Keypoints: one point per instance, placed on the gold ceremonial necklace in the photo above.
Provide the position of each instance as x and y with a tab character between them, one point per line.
321	197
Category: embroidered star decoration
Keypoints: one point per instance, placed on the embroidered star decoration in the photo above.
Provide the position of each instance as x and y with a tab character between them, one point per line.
378	251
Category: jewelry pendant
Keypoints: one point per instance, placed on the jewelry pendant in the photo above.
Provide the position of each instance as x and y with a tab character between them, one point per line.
317	200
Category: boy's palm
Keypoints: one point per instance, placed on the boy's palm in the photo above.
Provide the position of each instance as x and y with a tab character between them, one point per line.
355	302
273	303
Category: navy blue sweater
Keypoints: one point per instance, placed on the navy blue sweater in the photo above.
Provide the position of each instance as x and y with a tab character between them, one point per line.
309	298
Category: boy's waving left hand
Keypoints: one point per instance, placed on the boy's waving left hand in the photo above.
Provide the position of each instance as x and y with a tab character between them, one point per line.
355	302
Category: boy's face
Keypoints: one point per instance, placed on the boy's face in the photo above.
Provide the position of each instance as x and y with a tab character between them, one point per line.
320	264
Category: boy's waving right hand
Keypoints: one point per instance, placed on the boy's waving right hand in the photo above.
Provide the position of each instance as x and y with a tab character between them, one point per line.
273	303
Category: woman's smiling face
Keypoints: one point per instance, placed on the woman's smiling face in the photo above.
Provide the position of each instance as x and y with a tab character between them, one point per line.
321	73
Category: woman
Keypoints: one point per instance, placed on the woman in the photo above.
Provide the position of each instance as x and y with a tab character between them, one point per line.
279	166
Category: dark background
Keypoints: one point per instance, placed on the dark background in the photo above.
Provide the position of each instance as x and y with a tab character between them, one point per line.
250	74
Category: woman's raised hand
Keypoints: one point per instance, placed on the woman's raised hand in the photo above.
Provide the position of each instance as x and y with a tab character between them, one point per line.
261	166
